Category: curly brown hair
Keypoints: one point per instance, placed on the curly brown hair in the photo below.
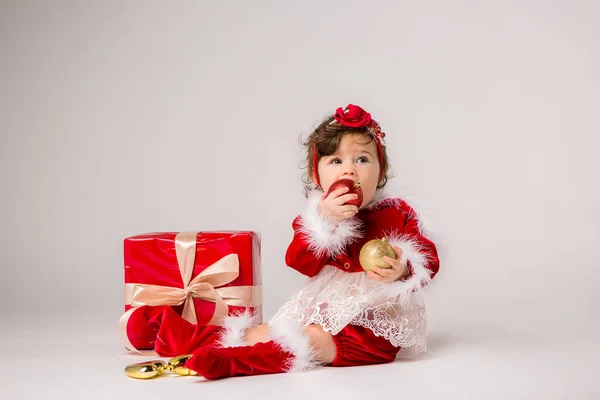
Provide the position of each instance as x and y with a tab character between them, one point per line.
327	138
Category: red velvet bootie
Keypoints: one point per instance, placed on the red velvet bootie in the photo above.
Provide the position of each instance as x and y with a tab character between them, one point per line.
288	350
176	336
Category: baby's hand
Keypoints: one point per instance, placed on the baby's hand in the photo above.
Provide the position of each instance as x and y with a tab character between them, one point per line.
333	206
399	269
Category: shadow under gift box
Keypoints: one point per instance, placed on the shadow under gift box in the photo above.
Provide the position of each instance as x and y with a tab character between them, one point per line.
203	276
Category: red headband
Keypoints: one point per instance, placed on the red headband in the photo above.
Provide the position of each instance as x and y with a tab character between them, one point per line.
354	117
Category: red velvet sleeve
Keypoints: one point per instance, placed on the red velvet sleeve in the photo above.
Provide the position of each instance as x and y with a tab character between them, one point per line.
299	257
417	246
418	251
317	239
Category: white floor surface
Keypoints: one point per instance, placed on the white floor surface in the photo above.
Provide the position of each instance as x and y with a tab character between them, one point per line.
72	360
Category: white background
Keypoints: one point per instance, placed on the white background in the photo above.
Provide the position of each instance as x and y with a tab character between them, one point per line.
119	118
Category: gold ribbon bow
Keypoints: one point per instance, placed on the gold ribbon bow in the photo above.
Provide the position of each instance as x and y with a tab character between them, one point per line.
206	285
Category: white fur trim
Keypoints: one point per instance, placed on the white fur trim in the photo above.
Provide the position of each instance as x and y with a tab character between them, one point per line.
290	335
323	235
235	329
420	275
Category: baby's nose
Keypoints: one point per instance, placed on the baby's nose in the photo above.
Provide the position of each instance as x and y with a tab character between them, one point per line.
350	170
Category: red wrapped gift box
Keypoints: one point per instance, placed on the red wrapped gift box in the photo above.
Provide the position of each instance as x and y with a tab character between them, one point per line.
204	276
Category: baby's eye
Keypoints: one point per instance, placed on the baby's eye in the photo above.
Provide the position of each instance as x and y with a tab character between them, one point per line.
336	161
363	159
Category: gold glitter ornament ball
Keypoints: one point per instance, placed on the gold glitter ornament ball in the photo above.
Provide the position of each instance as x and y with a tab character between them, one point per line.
372	253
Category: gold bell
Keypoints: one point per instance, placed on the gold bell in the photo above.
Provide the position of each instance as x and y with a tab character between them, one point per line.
146	370
372	253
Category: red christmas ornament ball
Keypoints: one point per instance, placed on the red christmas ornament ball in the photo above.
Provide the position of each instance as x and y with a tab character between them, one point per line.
353	187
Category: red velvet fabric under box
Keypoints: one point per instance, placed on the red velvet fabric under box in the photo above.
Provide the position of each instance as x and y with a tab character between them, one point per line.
151	259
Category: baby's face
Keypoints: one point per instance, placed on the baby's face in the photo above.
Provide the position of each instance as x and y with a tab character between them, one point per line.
355	159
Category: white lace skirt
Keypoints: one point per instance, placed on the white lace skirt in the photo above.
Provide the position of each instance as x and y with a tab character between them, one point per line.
334	299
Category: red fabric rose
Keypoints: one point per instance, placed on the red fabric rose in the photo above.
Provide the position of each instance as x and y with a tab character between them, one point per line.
352	116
